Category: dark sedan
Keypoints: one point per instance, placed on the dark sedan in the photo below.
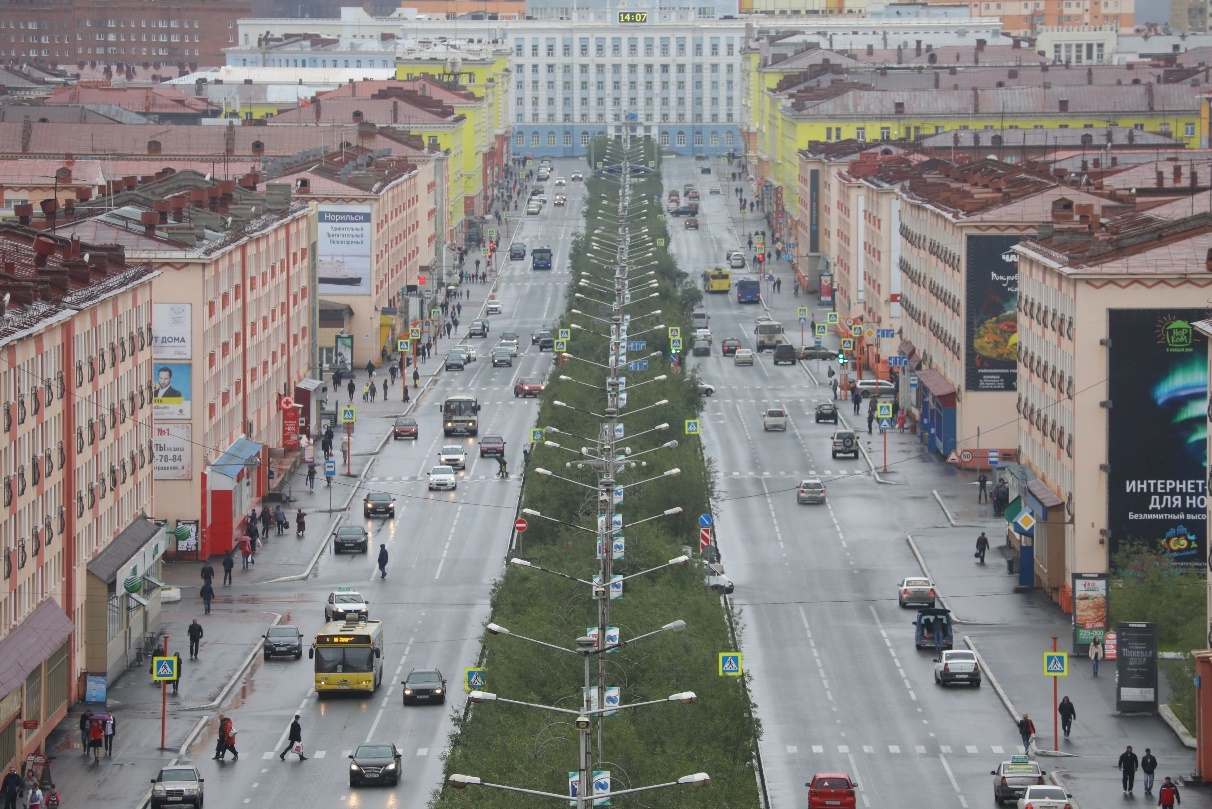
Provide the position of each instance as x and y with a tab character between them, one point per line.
350	537
493	445
685	210
378	503
729	346
826	411
702	348
283	640
692	224
374	764
546	341
424	685
517	251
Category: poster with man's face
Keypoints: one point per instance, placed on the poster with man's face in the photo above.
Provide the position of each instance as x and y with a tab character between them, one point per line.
171	396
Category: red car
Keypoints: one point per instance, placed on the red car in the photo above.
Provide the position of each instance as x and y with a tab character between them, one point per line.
404	428
528	386
831	789
492	445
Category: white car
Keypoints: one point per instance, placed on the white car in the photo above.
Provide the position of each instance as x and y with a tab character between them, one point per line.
344	604
469	353
559	181
493	307
774	418
701	334
443	477
509	345
957	666
706	389
453	455
874	387
1045	797
743	356
533	209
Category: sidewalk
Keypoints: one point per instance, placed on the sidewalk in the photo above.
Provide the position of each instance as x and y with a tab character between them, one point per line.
239	616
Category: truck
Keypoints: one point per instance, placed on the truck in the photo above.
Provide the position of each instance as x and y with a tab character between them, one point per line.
769	334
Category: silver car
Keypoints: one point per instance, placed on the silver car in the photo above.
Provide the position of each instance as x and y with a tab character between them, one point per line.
453	455
810	490
1011	778
957	666
775	419
917	591
345	604
743	356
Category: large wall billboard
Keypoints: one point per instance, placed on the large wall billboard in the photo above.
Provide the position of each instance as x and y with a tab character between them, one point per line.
1157	383
991	326
172	331
343	249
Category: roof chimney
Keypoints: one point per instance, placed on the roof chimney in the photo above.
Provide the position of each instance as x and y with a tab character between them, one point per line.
149	219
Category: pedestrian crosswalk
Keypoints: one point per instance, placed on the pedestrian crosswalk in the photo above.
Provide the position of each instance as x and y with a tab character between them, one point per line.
268	754
897	749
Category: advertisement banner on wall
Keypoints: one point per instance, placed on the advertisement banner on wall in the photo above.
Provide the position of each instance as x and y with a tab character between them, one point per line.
172	331
173	456
814	211
1089	609
343	352
343	249
1136	668
185	536
991	324
826	287
172	396
1157	382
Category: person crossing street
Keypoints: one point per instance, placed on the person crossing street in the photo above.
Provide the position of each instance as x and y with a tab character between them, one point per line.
294	741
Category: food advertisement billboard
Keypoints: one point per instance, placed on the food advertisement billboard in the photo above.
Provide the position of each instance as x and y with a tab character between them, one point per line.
1089	609
991	314
1157	425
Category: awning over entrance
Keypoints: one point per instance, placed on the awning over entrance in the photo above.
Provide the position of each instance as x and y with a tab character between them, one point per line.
126	546
935	382
37	637
237	457
1046	497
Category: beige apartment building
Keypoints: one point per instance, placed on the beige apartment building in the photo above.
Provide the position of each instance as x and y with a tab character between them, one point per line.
231	334
76	460
1112	394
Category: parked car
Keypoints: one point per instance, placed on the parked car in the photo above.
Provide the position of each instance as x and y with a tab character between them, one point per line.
1011	778
284	639
845	442
810	490
424	685
826	411
350	537
775	418
831	790
743	356
957	666
176	786
876	387
375	763
916	590
404	427
376	503
815	352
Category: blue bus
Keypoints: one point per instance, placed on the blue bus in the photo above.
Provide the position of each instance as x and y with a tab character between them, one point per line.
748	291
540	258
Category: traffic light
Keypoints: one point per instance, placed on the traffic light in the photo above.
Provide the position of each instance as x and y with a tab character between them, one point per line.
841	358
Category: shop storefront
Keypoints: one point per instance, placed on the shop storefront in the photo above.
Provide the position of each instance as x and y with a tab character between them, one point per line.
936	406
233	484
35	682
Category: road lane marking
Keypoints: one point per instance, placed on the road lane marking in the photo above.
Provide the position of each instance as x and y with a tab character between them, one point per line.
422	751
319	754
954	784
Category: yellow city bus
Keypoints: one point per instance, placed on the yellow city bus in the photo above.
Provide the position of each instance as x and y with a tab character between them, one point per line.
348	656
717	280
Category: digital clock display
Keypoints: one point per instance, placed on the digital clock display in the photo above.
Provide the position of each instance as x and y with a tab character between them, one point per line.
633	16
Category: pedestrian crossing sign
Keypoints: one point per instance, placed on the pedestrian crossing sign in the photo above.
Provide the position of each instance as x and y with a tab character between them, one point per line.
564	334
693	427
348	415
856	330
831	318
164	669
821	330
730	664
414	334
1056	664
402	345
537	436
560	346
847	344
474	679
435	314
883	410
675	344
674	332
803	312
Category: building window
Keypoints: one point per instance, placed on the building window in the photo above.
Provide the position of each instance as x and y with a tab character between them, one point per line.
885	133
860	133
534	139
567	138
715	139
664	140
681	139
1189	130
584	138
551	139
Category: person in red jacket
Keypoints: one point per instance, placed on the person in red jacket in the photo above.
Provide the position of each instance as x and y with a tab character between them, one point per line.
1168	796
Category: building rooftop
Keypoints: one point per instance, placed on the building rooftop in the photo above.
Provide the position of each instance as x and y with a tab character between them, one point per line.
147	100
70	113
1132	245
411	109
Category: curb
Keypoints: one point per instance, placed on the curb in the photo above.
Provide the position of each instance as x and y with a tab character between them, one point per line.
938	499
866	455
1180	730
921	562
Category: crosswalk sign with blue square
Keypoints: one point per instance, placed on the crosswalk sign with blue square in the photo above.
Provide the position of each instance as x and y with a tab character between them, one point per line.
474	679
164	668
1056	664
730	664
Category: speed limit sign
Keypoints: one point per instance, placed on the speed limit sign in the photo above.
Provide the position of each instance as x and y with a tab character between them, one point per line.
966	456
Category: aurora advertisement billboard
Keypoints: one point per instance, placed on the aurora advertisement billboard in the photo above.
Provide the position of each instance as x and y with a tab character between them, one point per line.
1157	369
991	327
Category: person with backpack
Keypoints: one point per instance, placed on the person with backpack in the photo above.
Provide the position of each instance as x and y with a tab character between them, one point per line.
1026	729
1167	796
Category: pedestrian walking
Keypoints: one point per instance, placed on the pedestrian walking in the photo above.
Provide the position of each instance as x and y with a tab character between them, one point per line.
982	547
280	520
392	370
108	731
374	390
366	392
416	377
229	564
350	387
84	718
856	399
1148	766
982	494
34	801
96	737
370	369
1095	652
311	485
226	740
382	561
1026	729
870	419
833	384
10	787
265	521
294	741
900	421
1068	713
245	552
195	635
176	680
385	390
208	572
1128	764
1168	795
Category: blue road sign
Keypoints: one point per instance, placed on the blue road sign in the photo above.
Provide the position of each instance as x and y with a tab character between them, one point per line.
636	345
913	380
885	425
1056	664
165	668
705	520
637	365
730	664
995	457
330	468
474	679
885	334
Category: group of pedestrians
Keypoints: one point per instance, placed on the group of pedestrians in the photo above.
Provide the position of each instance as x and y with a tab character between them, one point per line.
1167	797
97	731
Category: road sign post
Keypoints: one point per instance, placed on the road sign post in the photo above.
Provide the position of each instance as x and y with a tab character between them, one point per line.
164	671
1056	665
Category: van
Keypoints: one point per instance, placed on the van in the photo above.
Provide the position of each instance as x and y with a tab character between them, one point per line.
699	319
